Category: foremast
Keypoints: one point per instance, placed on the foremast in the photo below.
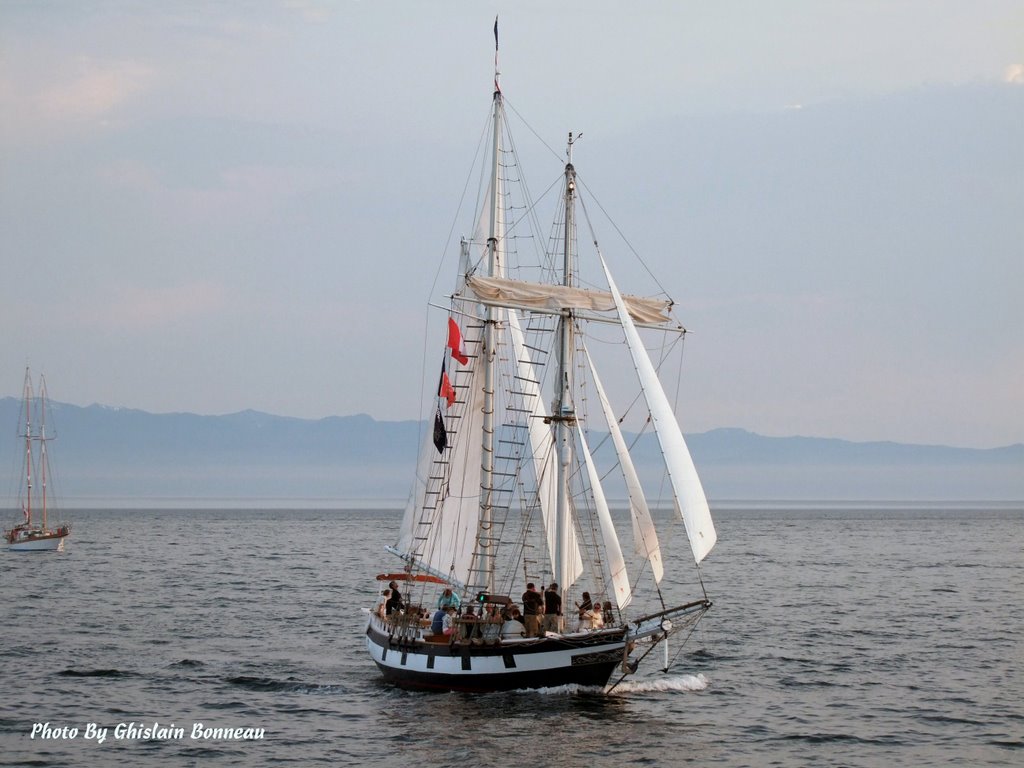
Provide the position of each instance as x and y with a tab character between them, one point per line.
27	397
563	409
485	537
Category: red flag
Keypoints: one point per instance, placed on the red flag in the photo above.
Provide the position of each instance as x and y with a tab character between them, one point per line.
455	342
445	388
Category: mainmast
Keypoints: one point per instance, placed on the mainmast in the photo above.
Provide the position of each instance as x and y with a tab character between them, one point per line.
564	413
485	560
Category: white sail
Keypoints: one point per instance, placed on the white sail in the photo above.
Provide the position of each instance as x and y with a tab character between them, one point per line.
460	508
440	523
644	534
686	487
613	551
522	294
542	447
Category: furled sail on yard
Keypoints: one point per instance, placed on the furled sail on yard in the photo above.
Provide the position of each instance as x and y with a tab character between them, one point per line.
523	294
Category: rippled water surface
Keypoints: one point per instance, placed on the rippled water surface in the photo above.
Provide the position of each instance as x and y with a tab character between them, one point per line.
852	636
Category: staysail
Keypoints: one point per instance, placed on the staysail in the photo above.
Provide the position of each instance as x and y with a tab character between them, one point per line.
613	551
644	534
690	500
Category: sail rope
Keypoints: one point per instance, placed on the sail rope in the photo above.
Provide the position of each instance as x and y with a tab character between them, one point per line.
666	352
427	342
545	259
625	240
693	628
631	668
558	155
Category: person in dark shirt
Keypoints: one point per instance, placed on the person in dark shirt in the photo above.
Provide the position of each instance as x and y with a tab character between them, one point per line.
533	604
552	609
394	603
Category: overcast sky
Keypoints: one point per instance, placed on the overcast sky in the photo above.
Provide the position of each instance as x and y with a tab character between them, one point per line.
199	202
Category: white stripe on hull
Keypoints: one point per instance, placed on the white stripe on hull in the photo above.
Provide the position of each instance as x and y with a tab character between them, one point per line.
50	544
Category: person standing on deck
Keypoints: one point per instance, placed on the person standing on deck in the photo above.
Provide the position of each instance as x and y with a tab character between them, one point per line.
582	608
533	605
552	609
396	596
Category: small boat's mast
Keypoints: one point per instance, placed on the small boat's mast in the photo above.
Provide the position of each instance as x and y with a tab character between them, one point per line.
27	397
42	442
564	413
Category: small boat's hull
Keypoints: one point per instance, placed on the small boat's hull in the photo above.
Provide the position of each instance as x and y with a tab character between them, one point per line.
37	542
587	659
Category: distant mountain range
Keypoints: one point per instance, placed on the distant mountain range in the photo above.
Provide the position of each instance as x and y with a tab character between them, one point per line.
107	454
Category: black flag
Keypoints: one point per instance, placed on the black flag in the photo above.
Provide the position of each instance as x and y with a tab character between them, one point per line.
440	434
497	87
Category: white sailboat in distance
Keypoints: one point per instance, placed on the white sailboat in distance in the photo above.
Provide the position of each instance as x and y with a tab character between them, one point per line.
34	533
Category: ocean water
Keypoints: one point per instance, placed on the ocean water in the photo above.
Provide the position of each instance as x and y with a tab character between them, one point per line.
841	636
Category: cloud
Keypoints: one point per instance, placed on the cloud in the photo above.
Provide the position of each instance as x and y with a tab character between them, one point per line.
309	10
140	308
1014	74
234	194
95	90
48	100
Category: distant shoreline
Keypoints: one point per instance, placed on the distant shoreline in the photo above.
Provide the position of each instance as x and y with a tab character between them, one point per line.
125	458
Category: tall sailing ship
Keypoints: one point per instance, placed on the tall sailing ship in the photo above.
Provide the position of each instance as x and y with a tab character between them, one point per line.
507	489
34	533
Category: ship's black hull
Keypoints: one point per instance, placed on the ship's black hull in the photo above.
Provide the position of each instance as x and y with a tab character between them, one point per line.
587	659
596	675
